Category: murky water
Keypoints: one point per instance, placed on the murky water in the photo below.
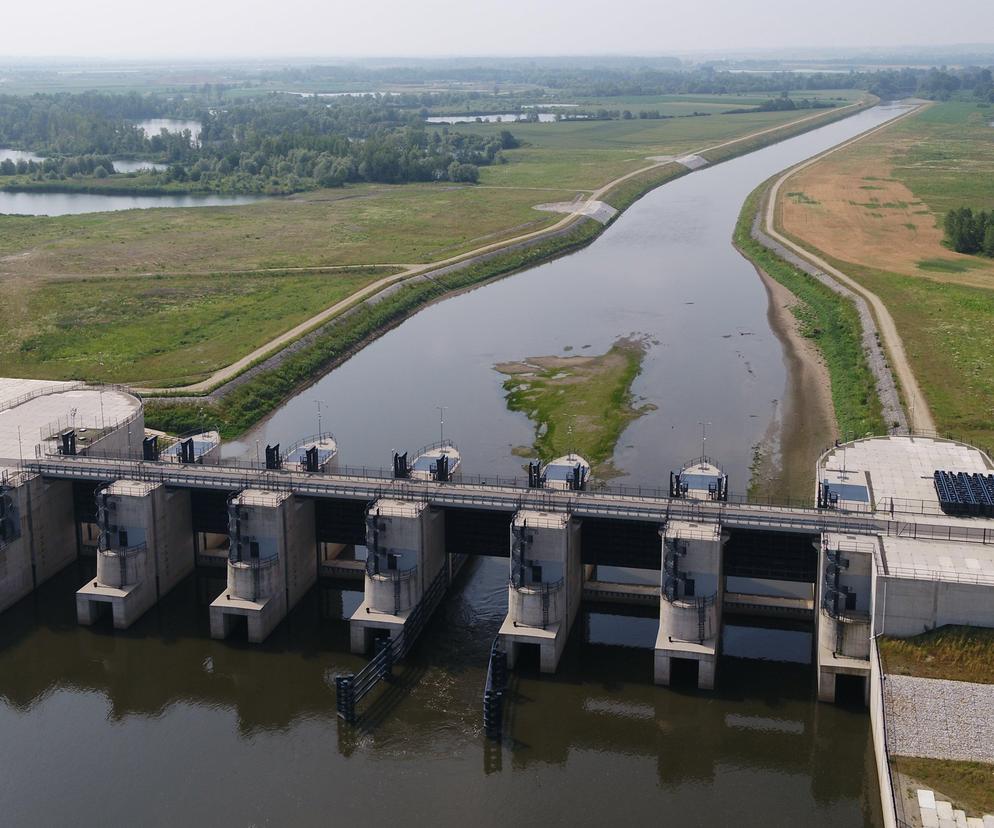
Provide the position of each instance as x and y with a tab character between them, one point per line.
160	725
666	269
62	204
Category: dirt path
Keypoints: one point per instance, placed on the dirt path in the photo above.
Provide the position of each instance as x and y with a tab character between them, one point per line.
919	417
278	343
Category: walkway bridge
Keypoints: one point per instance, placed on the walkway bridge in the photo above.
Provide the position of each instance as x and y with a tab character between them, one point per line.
626	504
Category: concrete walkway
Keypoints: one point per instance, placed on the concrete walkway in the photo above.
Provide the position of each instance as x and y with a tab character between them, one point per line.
875	318
281	342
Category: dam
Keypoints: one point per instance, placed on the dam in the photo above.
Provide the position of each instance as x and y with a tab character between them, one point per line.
198	708
892	541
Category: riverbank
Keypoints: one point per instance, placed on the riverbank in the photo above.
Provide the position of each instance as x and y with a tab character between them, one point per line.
248	399
822	337
578	404
936	300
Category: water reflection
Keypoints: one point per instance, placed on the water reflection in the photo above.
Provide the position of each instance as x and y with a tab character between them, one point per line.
192	712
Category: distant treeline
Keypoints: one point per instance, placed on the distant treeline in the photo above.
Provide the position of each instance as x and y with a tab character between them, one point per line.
970	232
272	144
782	104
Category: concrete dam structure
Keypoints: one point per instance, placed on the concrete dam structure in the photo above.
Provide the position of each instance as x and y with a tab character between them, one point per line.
889	545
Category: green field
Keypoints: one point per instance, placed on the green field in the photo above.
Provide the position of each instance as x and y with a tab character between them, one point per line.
164	330
357	225
951	652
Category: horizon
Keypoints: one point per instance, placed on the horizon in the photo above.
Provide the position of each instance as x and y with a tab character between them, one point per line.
228	30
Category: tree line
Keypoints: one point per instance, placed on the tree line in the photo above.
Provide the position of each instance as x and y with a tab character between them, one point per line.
970	232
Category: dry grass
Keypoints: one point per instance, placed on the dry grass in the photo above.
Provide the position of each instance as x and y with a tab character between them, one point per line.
867	204
968	785
950	652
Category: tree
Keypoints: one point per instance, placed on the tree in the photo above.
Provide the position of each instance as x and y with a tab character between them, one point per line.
8	167
464	172
100	171
989	240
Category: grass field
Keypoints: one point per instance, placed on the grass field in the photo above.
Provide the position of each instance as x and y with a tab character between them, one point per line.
160	329
578	403
968	785
875	210
99	265
951	652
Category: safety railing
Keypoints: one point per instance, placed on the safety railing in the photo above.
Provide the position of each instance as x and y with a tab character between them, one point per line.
628	502
536	605
352	688
13	402
121	558
493	692
399	581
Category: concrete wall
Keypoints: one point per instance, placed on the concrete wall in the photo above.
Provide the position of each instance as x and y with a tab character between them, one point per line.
905	607
47	541
125	440
879	741
413	537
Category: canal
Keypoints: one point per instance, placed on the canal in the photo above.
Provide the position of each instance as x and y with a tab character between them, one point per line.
161	725
665	270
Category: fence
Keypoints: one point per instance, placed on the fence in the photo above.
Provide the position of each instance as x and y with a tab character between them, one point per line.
493	692
351	689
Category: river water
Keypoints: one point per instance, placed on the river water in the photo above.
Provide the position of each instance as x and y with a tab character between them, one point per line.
161	725
665	269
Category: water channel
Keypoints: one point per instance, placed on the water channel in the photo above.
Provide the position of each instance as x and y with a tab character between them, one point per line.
160	725
665	269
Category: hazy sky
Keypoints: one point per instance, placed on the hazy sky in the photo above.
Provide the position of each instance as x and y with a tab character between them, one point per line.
279	28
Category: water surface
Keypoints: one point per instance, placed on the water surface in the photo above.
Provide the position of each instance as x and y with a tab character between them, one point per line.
62	204
665	270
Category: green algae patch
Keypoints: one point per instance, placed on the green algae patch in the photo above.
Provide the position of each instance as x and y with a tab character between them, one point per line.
578	403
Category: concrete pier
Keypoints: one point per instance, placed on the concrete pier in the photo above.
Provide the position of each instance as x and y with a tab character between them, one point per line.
145	549
545	587
842	614
406	552
691	600
272	562
37	533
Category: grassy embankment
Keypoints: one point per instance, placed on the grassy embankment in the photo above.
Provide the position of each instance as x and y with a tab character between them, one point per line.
875	211
951	652
578	403
363	224
162	330
961	654
366	224
826	318
249	402
969	785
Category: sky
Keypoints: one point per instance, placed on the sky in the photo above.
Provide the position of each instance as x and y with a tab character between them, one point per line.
199	29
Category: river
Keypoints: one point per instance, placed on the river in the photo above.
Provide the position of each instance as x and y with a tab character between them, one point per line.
161	725
665	269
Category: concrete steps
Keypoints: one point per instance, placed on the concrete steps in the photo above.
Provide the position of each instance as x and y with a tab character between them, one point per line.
937	813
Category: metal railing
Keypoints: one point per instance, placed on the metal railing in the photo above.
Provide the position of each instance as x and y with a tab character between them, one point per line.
123	556
398	577
40	392
634	503
493	692
352	688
